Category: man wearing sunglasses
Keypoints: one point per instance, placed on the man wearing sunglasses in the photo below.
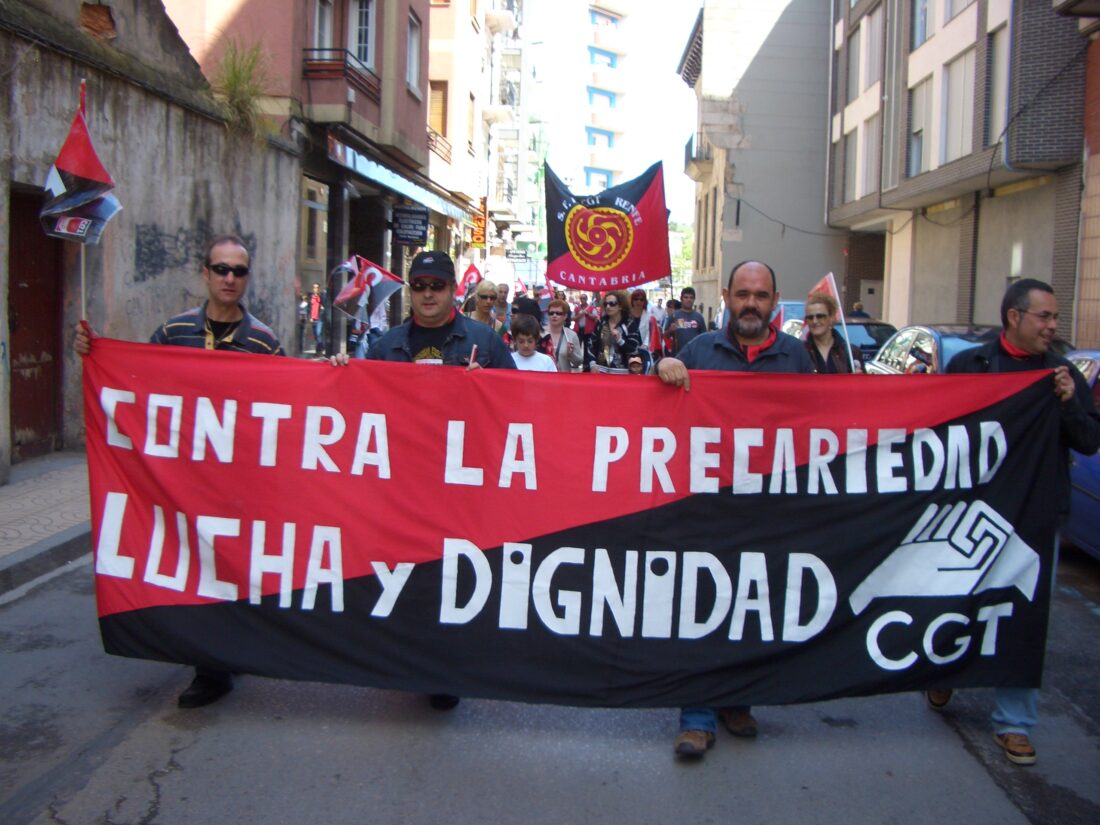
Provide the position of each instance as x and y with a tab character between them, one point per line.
222	323
435	333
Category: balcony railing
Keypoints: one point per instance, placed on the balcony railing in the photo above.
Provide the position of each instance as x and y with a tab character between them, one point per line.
336	64
698	157
439	144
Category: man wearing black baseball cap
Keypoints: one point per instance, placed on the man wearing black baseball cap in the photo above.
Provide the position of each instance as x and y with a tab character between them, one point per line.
436	333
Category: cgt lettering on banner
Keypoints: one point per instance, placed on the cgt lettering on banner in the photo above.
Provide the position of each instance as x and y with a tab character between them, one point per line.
667	579
942	642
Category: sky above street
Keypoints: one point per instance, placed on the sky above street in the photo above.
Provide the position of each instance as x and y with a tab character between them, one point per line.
658	108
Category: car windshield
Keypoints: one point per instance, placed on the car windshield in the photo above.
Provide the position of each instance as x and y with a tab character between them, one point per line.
869	335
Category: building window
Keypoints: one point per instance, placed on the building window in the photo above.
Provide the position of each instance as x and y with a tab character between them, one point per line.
953	7
322	32
958	107
920	101
601	98
412	55
314	220
922	22
713	228
600	137
997	117
872	74
600	18
597	178
437	106
602	57
872	140
853	66
851	164
360	29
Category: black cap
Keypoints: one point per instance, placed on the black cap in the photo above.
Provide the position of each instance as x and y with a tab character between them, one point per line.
432	265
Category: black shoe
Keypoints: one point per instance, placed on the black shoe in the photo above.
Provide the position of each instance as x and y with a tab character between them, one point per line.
205	689
443	701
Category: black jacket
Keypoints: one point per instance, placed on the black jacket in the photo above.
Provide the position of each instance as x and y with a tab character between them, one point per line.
1080	421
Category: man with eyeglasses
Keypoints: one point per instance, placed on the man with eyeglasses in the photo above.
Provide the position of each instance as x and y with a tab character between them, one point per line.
435	332
1029	321
748	343
220	323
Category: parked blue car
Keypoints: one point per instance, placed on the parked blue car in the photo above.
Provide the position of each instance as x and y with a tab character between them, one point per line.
1083	528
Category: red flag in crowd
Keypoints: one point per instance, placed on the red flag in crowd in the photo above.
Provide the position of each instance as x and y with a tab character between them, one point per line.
617	239
79	204
471	278
369	287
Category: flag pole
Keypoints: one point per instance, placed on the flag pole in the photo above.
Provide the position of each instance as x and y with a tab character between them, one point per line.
83	301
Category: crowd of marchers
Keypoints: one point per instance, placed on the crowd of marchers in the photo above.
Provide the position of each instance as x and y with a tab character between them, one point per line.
619	332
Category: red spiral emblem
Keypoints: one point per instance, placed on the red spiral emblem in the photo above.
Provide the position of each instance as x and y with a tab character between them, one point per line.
599	237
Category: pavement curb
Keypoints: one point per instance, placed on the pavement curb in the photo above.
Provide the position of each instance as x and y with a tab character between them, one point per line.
44	556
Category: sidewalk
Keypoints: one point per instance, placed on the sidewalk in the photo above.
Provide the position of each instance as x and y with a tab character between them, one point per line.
43	517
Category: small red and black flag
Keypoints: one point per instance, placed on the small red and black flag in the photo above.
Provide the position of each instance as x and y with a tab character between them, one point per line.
616	239
79	204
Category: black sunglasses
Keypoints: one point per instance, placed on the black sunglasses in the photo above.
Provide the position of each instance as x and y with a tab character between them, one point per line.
610	303
420	285
555	312
222	270
817	316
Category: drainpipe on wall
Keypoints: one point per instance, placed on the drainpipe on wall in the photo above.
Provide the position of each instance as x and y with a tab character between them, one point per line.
828	112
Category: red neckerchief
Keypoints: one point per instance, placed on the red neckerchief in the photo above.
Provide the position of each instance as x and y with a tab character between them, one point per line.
448	321
751	352
1015	352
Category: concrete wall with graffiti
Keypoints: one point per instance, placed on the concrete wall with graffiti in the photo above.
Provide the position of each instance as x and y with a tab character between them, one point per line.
180	174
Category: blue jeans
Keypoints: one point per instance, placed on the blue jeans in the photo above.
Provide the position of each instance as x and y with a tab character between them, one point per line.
1015	710
705	719
318	327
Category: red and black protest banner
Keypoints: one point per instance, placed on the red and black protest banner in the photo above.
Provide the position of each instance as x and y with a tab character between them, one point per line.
759	539
617	239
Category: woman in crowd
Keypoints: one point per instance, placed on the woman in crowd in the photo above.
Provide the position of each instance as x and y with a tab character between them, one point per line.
486	295
643	324
828	349
612	344
560	342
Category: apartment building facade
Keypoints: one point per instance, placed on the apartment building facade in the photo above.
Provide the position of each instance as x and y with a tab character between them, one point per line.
760	77
348	80
955	152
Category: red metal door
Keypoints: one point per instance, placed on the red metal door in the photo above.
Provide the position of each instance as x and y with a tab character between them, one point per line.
34	331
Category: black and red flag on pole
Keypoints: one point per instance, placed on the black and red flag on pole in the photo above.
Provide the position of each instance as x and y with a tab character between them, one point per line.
79	203
617	239
445	531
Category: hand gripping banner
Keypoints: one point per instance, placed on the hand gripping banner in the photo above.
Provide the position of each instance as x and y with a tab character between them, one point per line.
482	534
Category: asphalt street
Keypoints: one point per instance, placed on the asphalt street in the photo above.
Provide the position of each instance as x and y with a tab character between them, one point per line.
89	738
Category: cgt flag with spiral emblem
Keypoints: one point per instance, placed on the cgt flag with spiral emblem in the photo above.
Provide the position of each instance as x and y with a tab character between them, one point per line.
616	239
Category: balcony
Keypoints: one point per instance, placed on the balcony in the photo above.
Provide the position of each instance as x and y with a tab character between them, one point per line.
340	64
439	144
698	158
